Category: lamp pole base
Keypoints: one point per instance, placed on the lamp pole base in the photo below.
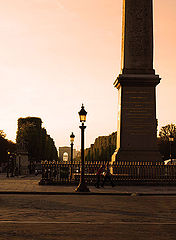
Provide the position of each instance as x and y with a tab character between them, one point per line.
82	187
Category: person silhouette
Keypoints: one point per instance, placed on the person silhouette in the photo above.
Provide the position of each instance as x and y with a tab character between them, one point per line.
107	176
98	174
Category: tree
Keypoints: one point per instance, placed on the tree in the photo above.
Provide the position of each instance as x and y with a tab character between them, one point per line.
40	145
5	146
166	131
163	141
102	149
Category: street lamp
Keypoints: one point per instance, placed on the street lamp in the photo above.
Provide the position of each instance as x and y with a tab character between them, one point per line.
72	136
82	187
171	139
8	163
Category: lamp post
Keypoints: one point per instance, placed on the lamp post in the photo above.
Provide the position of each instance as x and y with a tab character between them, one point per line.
171	139
72	136
8	158
82	187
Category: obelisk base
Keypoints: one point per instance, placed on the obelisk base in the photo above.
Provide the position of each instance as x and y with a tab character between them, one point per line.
136	156
137	123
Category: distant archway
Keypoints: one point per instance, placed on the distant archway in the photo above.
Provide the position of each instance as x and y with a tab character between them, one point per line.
65	153
65	157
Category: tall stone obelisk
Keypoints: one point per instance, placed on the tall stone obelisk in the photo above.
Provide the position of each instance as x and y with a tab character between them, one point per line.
137	123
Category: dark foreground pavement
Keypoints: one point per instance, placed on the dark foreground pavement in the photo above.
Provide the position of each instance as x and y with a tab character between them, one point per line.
75	217
122	213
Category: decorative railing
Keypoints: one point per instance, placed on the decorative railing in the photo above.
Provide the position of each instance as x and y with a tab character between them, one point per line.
123	173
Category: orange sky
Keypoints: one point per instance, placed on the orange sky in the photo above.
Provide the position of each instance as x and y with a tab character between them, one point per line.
57	54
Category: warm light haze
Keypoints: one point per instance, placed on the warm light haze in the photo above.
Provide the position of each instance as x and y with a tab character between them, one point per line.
57	54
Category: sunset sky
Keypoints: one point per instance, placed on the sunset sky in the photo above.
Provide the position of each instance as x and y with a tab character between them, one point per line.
57	54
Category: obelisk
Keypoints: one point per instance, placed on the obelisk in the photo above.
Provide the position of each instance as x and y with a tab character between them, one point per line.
137	123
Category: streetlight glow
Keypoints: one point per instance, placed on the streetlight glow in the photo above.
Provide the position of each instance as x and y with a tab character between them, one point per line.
82	114
72	137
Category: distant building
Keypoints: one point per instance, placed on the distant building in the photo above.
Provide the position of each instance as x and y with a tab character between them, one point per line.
102	149
65	153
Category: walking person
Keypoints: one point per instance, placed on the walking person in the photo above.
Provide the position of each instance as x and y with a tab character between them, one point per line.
98	174
107	176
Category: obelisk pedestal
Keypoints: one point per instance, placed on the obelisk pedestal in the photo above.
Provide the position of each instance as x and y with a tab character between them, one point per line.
137	123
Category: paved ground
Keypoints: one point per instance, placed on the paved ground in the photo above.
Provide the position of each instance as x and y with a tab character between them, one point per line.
75	217
30	184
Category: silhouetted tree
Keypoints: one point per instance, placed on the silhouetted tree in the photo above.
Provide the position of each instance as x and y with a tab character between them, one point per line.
5	146
102	149
40	145
166	131
163	141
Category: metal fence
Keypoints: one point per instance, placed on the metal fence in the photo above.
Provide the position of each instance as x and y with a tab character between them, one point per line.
123	173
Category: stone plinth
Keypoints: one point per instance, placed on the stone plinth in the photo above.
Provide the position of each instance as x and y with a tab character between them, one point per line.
22	163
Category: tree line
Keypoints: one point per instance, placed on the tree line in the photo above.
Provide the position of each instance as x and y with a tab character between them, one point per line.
106	147
5	147
38	144
102	149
